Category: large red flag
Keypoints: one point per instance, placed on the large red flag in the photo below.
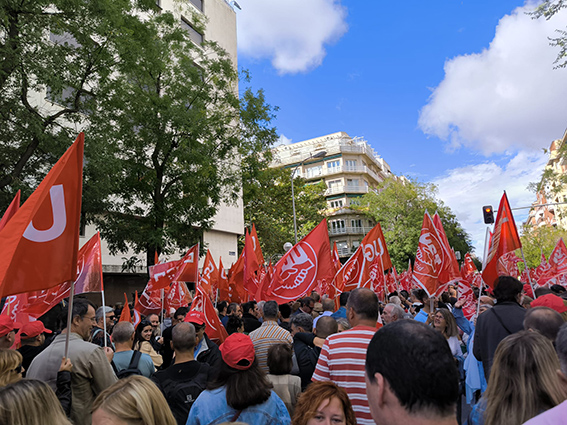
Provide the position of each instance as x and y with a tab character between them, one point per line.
468	268
163	274
215	330
39	244
125	315
557	264
178	296
299	269
236	290
355	273
256	244
12	208
150	301
505	238
251	266
189	266
508	265
223	283
451	270
210	276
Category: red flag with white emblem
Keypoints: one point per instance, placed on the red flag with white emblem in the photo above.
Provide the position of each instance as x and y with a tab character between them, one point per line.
215	330
223	283
256	245
251	266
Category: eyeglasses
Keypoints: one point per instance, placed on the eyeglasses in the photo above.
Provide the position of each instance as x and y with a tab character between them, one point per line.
113	317
19	369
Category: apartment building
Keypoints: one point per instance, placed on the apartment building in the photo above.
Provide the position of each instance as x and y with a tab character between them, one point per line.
350	168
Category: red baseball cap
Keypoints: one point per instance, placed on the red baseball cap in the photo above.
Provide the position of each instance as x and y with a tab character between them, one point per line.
238	351
33	329
7	325
194	316
552	301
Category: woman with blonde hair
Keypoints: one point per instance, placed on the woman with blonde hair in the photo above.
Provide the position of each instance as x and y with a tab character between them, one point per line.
135	399
445	323
10	366
523	381
30	402
323	402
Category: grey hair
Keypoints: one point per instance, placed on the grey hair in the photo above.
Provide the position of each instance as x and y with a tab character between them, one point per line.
102	312
270	309
122	332
302	320
394	299
396	310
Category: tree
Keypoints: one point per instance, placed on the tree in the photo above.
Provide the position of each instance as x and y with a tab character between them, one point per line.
171	137
399	206
55	56
268	204
537	241
548	9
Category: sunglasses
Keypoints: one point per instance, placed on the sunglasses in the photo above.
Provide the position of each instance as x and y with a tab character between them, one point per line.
19	369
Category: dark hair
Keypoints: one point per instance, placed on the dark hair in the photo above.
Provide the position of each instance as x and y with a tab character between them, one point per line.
544	320
404	293
408	342
244	388
306	301
280	359
343	298
181	311
420	294
507	289
270	310
80	309
365	303
557	289
231	308
233	324
138	335
326	326
303	320
285	310
246	307
222	305
541	291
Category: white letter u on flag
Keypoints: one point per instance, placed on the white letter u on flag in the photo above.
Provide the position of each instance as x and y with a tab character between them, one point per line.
57	197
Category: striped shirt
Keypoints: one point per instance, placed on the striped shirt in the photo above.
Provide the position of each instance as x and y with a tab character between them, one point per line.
342	360
270	333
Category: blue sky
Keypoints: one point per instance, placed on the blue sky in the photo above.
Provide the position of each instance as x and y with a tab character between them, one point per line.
459	93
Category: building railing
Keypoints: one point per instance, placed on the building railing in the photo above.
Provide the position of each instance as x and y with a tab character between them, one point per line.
346	189
349	230
328	171
344	252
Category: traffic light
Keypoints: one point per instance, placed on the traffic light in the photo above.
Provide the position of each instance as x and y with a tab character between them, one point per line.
488	214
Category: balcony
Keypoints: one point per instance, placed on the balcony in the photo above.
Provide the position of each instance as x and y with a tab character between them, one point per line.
345	189
350	230
325	171
344	252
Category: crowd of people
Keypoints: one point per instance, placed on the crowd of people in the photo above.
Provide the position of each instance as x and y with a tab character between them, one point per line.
411	359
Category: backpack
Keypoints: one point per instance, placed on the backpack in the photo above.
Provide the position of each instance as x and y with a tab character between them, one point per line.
132	368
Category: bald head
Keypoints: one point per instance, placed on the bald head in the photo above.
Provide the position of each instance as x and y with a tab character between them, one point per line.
364	302
544	320
183	337
328	305
326	326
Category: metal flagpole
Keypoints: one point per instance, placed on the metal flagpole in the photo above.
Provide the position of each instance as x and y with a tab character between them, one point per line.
162	296
69	318
104	316
486	240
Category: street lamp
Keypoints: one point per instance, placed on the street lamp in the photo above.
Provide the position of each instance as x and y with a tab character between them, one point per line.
320	154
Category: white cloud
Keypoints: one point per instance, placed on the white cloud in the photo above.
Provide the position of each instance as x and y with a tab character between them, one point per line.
466	190
506	97
282	140
292	33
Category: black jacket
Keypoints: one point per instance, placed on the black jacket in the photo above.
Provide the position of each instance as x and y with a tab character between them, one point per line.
63	391
251	323
493	326
29	352
211	356
307	355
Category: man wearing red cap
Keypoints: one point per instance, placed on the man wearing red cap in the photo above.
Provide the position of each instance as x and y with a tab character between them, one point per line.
206	351
8	329
33	341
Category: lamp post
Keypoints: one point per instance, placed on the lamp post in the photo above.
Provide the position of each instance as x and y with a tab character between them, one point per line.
320	154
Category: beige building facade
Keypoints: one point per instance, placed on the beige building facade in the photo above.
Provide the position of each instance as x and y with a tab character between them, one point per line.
350	168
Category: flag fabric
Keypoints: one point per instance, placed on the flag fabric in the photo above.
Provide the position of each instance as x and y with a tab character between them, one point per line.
505	238
137	315
508	265
150	301
557	264
214	328
377	278
11	210
450	272
223	283
336	258
14	308
189	266
464	290
177	296
210	275
125	315
256	244
297	272
236	290
468	268
251	266
163	274
40	243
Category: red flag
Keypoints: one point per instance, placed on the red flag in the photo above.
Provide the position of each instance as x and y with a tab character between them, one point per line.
223	283
137	315
336	258
468	269
355	273
150	301
189	266
508	265
39	245
125	315
450	271
14	307
236	290
12	208
505	238
251	266
214	328
557	263
299	269
264	283
377	278
210	275
543	268
465	291
178	296
256	244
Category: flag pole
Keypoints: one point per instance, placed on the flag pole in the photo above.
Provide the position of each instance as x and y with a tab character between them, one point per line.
528	272
162	296
104	315
384	278
486	240
70	318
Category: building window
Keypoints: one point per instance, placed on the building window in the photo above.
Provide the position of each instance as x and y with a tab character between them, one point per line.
194	35
314	171
334	164
356	224
333	183
337	204
352	182
338	226
350	164
198	4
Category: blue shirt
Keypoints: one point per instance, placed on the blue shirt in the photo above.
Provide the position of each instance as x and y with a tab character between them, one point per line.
421	316
122	360
211	408
340	313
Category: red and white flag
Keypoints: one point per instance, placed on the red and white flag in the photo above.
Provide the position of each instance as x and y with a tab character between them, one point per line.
557	264
215	330
178	296
11	210
450	271
210	275
40	243
150	301
251	266
256	245
223	283
236	290
189	266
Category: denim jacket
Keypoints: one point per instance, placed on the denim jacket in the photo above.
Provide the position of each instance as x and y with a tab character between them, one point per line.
211	408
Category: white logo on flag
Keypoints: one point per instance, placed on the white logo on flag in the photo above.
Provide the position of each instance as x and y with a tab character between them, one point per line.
57	197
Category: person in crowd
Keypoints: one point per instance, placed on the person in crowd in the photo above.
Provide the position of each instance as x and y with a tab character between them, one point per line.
11	368
268	334
343	324
317	310
123	335
133	400
166	351
557	414
544	320
156	340
206	351
250	315
98	336
91	371
306	305
341	312
241	392
557	289
420	296
30	402
324	403
184	380
8	330
523	381
505	318
222	307
32	338
233	309
285	316
286	386
234	324
399	396
391	313
142	338
316	297
306	352
328	309
445	323
343	355
396	300
527	302
552	301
